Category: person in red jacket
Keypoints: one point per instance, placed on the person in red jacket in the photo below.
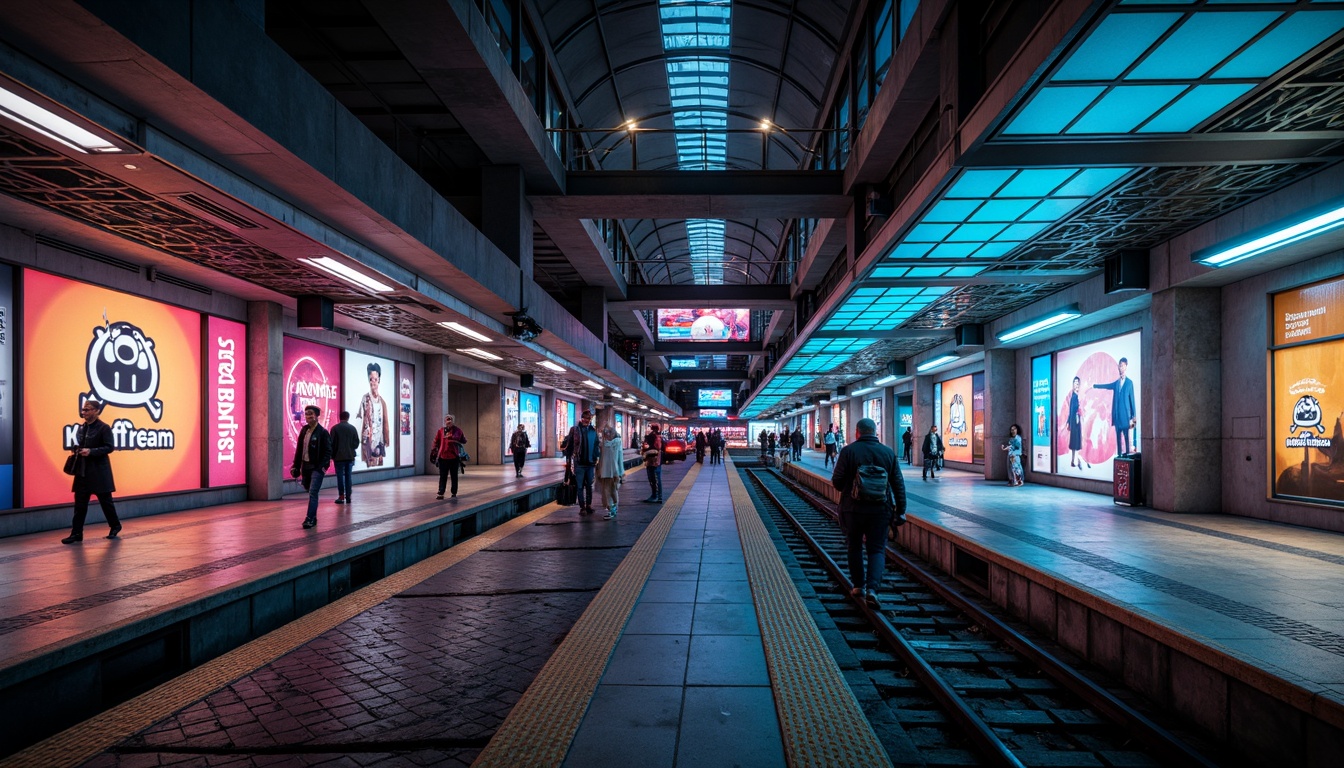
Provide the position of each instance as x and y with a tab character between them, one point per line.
447	450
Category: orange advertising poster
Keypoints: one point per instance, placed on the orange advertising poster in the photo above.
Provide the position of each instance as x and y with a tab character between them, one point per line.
1308	443
1306	314
957	419
139	357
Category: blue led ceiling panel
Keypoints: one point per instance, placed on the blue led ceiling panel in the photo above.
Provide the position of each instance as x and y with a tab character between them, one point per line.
1200	44
1117	42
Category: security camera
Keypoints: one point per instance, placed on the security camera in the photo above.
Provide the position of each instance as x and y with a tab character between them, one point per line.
524	327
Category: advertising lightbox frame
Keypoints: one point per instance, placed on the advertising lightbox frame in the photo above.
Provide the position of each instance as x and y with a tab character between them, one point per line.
1095	361
355	396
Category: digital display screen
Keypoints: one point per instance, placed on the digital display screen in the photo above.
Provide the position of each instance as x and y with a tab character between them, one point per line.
7	414
371	397
406	414
1307	394
1096	401
714	398
1039	429
713	413
139	357
958	415
872	409
312	376
704	324
679	363
529	414
225	402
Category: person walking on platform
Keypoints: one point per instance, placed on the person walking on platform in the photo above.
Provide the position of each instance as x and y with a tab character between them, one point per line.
519	444
796	443
770	445
581	456
652	451
763	438
344	443
449	443
715	447
701	443
872	496
312	456
1014	450
907	445
932	449
92	472
828	440
610	470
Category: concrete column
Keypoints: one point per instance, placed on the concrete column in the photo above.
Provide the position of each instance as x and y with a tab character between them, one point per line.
1182	465
267	466
891	436
546	440
436	404
506	216
924	415
593	311
1000	410
490	431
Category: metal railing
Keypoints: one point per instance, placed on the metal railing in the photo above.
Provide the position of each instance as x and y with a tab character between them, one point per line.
595	147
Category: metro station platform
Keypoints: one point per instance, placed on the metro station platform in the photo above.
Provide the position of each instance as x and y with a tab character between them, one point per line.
1234	623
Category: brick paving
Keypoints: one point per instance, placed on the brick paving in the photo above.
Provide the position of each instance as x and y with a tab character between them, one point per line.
424	678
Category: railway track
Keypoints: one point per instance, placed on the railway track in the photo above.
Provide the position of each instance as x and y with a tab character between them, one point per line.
964	687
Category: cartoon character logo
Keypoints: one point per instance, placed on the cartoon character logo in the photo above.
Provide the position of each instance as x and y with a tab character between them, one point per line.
1306	415
956	415
123	369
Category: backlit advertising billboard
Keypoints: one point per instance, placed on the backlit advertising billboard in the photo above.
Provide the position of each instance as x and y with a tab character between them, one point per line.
1307	394
872	409
704	324
713	413
225	402
7	414
529	413
140	358
370	395
958	414
405	414
714	398
312	376
1038	431
1097	392
565	417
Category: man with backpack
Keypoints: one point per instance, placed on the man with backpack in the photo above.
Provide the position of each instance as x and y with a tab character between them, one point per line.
872	498
582	448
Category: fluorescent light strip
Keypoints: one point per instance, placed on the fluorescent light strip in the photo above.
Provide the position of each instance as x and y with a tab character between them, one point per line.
864	391
591	384
552	366
52	125
465	331
481	353
936	362
1286	236
885	380
338	269
1044	323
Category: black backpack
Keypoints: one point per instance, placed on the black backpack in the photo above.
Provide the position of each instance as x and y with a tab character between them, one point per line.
870	486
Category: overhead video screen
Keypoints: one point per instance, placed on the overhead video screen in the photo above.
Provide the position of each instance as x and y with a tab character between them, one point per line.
371	397
312	376
1097	391
139	357
714	398
680	363
1307	394
713	413
704	324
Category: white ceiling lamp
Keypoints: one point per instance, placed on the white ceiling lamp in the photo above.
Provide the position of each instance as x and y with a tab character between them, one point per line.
589	383
547	364
480	353
1045	322
885	380
1280	235
936	362
465	331
42	120
338	269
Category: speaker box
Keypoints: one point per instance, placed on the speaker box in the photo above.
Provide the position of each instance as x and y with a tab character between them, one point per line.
1126	271
841	391
316	312
526	380
970	335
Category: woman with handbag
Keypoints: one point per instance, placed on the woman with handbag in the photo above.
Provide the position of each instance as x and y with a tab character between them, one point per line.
92	472
449	448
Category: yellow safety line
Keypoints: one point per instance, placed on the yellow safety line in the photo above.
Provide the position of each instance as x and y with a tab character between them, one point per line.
823	724
541	726
80	743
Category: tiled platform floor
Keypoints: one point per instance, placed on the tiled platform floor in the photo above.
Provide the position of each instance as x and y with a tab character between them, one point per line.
1265	593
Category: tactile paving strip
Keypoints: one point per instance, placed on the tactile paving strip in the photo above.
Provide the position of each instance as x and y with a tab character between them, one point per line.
822	722
541	726
82	742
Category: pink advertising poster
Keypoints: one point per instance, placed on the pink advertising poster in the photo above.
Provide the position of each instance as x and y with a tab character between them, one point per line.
1097	393
406	414
225	402
312	375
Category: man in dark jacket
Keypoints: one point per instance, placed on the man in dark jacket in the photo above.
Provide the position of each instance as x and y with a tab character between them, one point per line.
932	449
796	443
907	444
865	522
581	453
312	456
93	472
344	443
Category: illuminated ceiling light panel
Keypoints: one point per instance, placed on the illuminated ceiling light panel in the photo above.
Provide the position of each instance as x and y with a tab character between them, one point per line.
53	126
869	309
340	270
552	366
591	384
465	331
1147	71
480	353
1279	237
936	362
1058	317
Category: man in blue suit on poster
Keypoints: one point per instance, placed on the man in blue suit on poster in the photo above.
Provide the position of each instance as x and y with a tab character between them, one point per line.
1123	410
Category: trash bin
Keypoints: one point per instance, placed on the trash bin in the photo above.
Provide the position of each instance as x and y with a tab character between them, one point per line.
1127	482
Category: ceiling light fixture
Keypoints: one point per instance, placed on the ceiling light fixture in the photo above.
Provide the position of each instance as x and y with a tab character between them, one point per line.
936	362
864	391
481	353
1279	235
591	384
38	118
465	331
333	267
552	366
1058	317
885	380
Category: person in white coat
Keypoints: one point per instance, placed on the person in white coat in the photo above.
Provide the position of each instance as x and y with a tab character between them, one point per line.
610	470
